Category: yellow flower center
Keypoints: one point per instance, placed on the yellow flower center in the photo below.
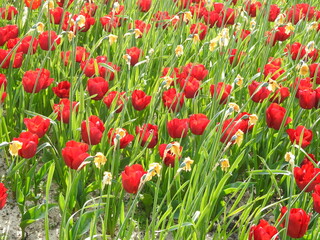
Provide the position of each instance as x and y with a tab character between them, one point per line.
14	148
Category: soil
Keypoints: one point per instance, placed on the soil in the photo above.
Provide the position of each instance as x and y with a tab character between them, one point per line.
10	217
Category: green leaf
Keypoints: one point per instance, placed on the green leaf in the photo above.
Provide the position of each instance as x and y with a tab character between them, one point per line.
34	214
83	223
271	172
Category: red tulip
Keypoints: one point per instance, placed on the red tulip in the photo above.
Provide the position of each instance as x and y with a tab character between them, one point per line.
280	95
56	15
131	178
97	86
8	32
198	123
74	154
3	195
144	5
298	222
117	97
300	132
15	59
304	175
315	197
81	55
212	18
8	12
302	85
300	11
307	98
252	7
263	231
274	71
306	160
172	99
3	81
29	144
197	71
232	125
142	26
169	152
37	125
92	130
33	4
190	86
200	29
199	10
242	35
89	8
3	97
273	12
107	73
64	3
63	109
120	135
296	50
318	98
62	90
70	22
140	100
34	81
48	40
110	22
275	116
27	45
134	53
235	56
260	95
221	92
277	34
178	128
148	133
315	72
92	67
161	19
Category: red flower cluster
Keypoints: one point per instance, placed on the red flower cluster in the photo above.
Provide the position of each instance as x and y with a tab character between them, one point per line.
299	12
299	51
64	108
168	155
8	12
37	125
305	175
116	99
93	67
263	231
300	135
232	125
308	96
8	32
